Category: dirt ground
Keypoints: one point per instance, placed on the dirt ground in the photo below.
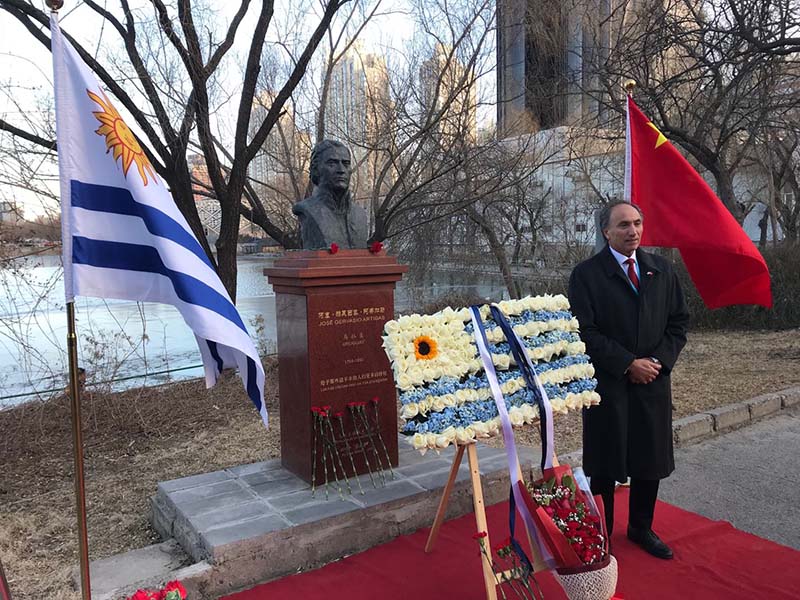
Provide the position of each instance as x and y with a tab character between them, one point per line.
136	439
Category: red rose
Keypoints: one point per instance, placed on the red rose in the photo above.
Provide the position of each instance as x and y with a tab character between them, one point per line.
479	535
563	513
172	587
375	247
334	248
140	595
375	400
339	414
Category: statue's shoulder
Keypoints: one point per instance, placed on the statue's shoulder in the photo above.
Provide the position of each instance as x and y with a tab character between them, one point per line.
304	206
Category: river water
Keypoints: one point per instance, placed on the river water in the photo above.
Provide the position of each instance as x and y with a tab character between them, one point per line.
129	343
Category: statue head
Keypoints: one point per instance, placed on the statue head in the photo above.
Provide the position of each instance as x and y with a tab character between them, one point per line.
330	166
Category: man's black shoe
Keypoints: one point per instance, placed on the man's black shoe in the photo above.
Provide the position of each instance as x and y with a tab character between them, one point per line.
649	542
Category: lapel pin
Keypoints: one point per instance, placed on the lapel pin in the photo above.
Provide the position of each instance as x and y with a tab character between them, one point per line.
649	273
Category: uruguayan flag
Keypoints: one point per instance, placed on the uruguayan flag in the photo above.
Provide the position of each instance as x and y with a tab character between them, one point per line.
123	236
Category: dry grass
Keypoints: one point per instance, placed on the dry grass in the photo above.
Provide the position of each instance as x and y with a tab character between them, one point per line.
138	438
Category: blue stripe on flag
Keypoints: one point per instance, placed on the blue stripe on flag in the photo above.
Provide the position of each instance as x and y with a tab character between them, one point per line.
119	201
212	348
135	257
252	383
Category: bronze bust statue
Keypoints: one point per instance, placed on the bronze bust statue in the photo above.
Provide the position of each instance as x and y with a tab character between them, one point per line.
329	215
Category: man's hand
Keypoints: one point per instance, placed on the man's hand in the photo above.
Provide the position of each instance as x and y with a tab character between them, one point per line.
643	370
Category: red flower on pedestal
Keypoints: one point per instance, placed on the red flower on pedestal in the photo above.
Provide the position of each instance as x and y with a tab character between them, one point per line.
171	591
174	591
376	247
334	248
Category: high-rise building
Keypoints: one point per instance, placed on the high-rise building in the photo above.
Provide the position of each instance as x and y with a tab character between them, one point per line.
449	87
545	49
279	172
361	114
10	214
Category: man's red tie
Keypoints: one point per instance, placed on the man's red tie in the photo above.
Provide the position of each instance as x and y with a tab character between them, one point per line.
632	273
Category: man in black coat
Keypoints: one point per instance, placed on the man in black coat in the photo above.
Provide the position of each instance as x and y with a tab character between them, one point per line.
633	319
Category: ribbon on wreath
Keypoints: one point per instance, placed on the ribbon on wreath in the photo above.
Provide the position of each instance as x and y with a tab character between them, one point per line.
516	501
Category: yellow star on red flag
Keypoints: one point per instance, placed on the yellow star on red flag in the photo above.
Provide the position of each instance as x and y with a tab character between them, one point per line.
661	137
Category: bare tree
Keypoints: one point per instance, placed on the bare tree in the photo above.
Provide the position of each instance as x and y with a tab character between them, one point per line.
185	44
700	80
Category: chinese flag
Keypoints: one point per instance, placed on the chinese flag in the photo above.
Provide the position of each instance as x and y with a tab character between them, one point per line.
681	211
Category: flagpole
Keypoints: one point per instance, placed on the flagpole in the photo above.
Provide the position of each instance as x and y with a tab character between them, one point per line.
75	389
77	446
629	86
5	591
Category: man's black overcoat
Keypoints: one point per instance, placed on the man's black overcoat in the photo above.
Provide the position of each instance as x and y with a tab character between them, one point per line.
630	432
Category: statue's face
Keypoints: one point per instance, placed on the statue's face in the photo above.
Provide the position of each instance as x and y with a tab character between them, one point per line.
334	169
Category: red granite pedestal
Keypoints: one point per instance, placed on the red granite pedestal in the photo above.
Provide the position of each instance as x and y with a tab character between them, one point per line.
330	310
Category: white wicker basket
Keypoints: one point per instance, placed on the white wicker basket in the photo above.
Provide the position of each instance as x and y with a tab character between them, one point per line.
596	584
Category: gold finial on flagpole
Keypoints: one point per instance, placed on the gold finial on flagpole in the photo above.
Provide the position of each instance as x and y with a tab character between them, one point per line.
629	85
54	5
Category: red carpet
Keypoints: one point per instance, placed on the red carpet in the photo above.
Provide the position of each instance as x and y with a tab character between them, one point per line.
713	561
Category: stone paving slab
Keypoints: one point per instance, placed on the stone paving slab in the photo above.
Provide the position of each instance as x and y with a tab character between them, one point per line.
317	511
235	531
132	569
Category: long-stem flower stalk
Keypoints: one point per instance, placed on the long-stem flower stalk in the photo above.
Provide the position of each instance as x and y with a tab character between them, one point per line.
335	450
362	414
315	417
374	403
340	417
361	445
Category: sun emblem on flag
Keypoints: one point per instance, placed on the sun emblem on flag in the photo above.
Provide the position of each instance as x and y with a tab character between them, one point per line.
120	139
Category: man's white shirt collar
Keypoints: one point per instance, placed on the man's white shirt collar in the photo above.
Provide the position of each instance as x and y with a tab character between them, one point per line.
621	258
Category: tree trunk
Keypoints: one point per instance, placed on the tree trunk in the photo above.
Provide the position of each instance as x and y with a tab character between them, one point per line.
226	245
726	193
762	231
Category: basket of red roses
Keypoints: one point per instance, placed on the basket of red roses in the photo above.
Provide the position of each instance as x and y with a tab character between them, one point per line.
571	523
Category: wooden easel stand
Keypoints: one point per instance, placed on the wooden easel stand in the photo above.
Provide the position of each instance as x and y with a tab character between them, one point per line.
491	581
